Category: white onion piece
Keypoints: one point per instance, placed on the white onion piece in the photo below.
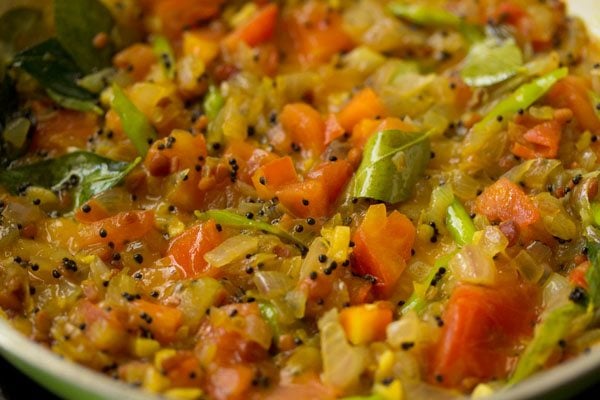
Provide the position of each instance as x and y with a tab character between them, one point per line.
342	362
473	265
232	249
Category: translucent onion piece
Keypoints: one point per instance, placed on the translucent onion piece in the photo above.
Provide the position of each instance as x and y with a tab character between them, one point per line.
232	249
556	292
491	240
473	265
272	283
342	362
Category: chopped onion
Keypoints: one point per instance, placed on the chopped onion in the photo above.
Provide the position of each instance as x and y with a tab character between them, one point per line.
342	362
556	291
272	283
197	296
535	173
472	264
232	249
410	329
529	268
491	240
311	261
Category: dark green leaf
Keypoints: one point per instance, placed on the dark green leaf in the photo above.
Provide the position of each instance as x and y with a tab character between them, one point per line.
491	62
19	29
135	124
545	340
92	174
229	218
77	24
593	273
54	69
392	163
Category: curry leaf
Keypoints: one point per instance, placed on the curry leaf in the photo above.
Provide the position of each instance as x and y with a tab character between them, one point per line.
84	174
135	124
234	220
547	335
392	163
51	65
78	22
491	62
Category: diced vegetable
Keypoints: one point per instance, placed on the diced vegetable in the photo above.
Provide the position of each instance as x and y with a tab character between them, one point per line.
505	201
459	223
187	250
305	126
383	245
258	29
365	104
365	323
135	124
164	52
342	363
481	326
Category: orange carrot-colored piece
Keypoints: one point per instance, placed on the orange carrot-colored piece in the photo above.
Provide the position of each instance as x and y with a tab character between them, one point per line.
365	104
506	201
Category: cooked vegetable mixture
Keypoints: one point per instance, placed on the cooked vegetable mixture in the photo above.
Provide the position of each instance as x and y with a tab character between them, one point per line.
320	199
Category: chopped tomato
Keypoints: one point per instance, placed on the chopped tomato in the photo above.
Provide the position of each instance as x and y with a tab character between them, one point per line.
315	195
91	211
540	141
118	229
274	175
383	245
578	275
163	322
482	328
137	60
176	152
505	201
230	382
365	104
333	129
305	126
188	249
315	33
572	92
366	322
62	129
175	16
257	30
183	369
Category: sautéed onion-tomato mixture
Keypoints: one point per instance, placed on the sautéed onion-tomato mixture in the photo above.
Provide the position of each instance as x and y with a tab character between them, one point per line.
354	199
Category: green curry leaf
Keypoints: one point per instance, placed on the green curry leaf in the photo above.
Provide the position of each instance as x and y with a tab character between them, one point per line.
84	174
77	24
392	163
54	69
490	62
135	124
229	218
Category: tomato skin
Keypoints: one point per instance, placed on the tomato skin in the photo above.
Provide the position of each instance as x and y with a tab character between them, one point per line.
572	93
257	30
118	229
482	328
188	249
505	201
382	247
